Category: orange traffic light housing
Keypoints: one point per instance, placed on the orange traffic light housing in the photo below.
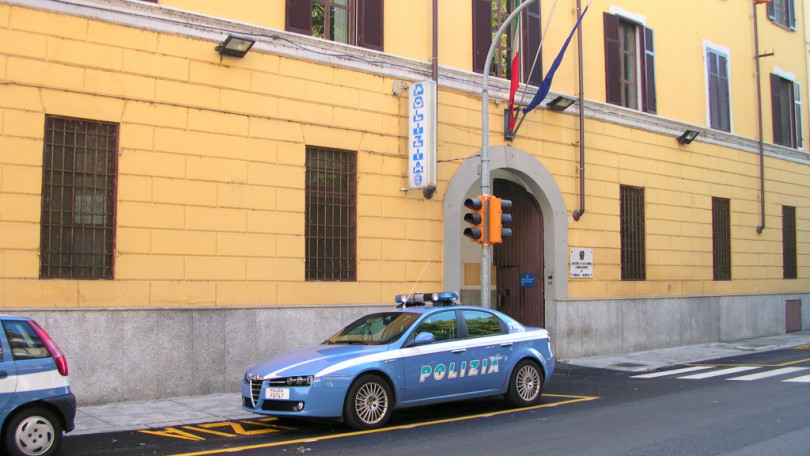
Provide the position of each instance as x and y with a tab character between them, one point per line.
498	220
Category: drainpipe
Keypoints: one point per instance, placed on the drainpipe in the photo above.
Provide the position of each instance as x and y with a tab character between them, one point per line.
759	119
579	212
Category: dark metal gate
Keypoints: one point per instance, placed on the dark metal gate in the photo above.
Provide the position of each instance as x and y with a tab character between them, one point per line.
518	260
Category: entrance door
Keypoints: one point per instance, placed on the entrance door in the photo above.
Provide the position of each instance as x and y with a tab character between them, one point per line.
518	260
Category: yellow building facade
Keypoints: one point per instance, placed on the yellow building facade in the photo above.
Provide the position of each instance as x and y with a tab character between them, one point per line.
165	208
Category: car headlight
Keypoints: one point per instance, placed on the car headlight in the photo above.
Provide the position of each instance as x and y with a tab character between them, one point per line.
301	380
252	377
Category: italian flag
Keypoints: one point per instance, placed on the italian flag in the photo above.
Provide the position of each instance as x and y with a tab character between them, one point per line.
516	67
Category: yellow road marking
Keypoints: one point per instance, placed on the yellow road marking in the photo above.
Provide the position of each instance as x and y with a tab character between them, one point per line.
570	400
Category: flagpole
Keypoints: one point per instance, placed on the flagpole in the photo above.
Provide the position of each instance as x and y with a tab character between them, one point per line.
486	250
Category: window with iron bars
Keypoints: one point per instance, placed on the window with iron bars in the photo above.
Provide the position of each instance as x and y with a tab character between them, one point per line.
78	199
789	266
721	238
331	215
633	254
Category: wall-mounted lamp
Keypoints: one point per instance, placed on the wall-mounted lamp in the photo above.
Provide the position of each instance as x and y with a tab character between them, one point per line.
560	103
235	46
688	136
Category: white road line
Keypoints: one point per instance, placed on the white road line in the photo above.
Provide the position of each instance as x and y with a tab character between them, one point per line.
770	373
673	372
802	379
731	370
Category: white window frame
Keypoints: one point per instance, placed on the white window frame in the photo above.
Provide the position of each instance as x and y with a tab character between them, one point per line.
725	52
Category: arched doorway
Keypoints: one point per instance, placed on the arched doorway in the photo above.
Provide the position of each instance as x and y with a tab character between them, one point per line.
519	259
525	170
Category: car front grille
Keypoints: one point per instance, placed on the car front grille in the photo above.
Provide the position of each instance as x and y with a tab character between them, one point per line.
255	391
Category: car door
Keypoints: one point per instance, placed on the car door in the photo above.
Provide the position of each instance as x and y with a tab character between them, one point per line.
8	373
488	351
436	369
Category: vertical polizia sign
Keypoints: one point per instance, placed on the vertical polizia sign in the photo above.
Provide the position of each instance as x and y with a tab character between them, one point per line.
422	135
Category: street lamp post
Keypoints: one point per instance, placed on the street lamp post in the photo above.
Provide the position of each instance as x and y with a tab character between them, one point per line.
486	250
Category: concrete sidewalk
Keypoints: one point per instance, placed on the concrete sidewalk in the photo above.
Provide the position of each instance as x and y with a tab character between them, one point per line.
128	416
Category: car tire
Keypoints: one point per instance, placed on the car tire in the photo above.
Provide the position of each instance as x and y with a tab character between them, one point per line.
33	431
368	403
525	384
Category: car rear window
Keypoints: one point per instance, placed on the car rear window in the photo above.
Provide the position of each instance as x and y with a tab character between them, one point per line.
481	324
24	342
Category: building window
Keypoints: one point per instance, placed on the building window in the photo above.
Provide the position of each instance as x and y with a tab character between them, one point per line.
633	255
786	106
718	84
331	214
721	238
78	199
782	12
357	22
488	17
629	64
789	269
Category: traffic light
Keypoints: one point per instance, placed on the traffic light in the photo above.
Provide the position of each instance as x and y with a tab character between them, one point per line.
476	218
498	221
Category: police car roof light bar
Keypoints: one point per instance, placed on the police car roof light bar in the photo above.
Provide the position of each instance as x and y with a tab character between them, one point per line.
445	298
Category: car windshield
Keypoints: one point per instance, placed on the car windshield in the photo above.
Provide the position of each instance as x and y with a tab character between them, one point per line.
375	329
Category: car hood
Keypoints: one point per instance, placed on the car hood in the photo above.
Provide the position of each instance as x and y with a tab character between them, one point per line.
314	360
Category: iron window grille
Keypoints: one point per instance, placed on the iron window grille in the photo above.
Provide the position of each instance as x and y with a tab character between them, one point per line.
78	198
331	214
633	254
789	267
721	238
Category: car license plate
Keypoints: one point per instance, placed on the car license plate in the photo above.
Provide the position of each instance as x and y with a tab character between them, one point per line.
277	393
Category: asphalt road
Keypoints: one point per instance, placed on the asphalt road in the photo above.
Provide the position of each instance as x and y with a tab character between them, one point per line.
585	411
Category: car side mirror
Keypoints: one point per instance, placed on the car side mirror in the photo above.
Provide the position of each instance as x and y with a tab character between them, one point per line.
424	338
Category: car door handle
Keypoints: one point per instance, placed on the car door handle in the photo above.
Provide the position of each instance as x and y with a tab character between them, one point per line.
389	361
506	345
459	351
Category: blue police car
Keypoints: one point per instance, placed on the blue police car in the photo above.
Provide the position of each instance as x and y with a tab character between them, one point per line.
414	355
36	403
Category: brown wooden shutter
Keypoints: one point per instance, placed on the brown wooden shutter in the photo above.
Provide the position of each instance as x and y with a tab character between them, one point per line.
723	93
714	83
482	32
370	24
613	83
719	109
299	16
797	115
532	34
791	14
776	111
649	100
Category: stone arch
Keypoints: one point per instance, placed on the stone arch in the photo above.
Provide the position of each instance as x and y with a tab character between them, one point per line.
519	166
